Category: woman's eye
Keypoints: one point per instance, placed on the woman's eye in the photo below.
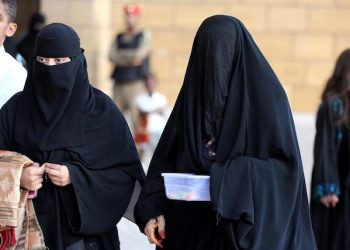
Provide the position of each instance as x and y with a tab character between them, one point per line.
62	60
40	59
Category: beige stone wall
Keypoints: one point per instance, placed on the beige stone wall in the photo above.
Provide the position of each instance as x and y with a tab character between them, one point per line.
300	38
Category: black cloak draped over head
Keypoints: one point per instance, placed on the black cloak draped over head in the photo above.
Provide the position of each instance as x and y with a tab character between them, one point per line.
257	182
60	118
58	96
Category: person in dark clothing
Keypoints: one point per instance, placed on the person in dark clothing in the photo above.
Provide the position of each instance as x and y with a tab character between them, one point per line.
231	121
130	55
89	163
330	188
25	46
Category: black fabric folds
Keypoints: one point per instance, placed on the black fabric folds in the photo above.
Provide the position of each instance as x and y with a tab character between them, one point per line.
60	118
257	184
55	98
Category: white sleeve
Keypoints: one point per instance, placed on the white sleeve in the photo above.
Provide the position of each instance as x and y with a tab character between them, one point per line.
12	82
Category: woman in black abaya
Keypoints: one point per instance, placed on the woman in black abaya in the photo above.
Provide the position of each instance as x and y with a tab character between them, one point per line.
87	157
330	204
231	121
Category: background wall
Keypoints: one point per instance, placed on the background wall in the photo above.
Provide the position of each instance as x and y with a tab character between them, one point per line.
25	10
300	38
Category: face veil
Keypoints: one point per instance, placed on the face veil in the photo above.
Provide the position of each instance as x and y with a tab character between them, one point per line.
230	92
59	95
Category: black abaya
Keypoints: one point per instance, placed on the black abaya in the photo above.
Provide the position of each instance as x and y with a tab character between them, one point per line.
331	176
231	94
60	118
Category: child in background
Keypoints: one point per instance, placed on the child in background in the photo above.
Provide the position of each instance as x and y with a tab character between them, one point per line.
152	108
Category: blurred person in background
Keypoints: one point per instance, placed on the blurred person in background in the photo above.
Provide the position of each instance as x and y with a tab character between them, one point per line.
130	55
25	46
152	107
330	188
232	122
12	74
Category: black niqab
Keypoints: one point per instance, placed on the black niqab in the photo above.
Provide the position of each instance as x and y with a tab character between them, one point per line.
54	97
257	182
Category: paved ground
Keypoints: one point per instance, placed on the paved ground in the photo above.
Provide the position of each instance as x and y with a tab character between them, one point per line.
132	239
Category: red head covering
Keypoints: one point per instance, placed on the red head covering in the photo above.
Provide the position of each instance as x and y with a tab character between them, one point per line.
132	9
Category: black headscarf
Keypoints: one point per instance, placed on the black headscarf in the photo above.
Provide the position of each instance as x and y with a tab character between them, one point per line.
57	96
257	182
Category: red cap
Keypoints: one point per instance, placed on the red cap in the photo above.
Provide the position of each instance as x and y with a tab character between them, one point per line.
132	9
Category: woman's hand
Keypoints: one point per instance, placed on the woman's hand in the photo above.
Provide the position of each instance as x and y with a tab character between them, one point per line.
155	230
58	174
329	200
32	177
